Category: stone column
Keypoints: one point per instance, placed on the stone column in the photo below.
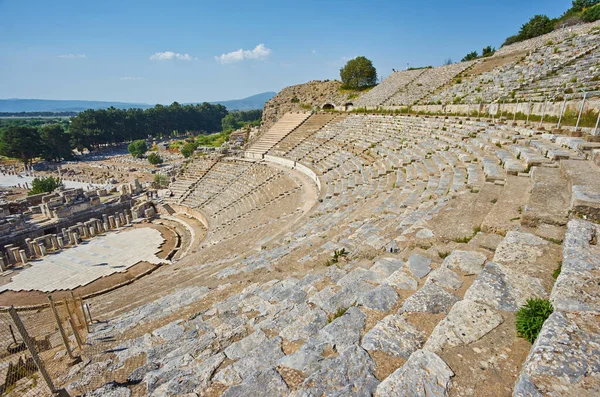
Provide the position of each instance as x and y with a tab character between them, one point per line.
42	248
105	218
54	240
83	230
76	238
117	222
111	219
9	253
61	242
3	264
92	232
105	226
122	218
14	253
36	251
128	218
23	256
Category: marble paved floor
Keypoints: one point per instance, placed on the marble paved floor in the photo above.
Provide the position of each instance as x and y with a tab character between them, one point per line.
98	257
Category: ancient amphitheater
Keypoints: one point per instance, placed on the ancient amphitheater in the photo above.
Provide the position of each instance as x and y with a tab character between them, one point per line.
373	253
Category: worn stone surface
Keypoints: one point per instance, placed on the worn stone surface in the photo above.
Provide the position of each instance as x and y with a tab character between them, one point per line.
402	280
445	278
468	262
262	383
243	347
394	336
350	374
565	358
387	266
382	298
578	285
424	374
503	288
430	298
467	322
111	389
419	265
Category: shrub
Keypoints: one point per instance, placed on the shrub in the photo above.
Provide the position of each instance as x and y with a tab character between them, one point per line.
137	148
44	185
188	149
154	159
161	180
530	318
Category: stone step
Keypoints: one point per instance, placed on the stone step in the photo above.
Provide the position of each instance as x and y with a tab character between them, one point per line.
583	179
549	199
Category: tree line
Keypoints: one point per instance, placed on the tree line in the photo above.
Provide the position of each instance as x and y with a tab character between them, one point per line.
92	129
580	11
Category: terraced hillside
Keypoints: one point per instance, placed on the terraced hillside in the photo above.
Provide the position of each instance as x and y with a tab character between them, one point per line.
369	255
564	63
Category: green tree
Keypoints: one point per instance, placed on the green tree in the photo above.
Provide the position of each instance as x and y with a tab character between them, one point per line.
161	180
538	25
358	73
488	51
44	185
155	159
188	149
580	5
20	142
138	148
55	143
591	14
470	56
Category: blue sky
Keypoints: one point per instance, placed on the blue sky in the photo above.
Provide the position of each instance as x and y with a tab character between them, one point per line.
163	51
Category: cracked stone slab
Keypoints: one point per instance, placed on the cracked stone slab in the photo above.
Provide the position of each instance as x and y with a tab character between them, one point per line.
468	262
242	347
424	374
430	298
264	356
382	298
503	288
262	383
306	326
577	287
445	278
394	336
350	374
466	323
387	266
402	280
565	358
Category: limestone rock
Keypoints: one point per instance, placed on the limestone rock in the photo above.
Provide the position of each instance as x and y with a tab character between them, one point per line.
262	383
394	336
424	374
468	262
419	265
565	359
445	278
350	374
401	280
382	298
504	289
467	322
430	299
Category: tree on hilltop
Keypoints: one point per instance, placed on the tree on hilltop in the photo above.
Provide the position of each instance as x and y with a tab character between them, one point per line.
470	56
358	73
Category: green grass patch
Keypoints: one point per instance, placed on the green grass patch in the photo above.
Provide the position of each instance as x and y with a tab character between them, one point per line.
530	318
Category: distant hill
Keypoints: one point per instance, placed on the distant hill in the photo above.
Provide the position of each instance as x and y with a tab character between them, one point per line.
49	105
252	102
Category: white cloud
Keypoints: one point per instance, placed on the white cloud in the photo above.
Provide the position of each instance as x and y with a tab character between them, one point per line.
168	55
314	51
131	78
259	52
72	56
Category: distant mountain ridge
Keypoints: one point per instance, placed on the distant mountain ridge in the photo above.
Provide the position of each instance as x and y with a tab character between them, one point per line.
50	105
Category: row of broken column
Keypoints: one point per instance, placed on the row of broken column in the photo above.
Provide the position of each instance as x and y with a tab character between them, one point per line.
71	236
